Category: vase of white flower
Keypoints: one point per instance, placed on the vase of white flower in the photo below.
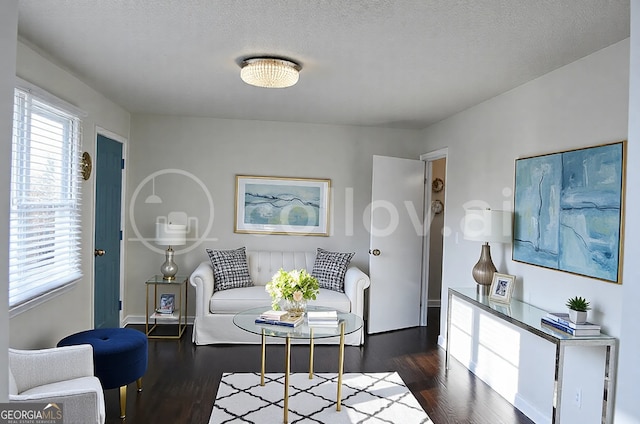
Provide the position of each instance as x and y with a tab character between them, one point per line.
295	308
290	290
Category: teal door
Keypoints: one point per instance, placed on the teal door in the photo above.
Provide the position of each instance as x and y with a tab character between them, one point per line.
108	165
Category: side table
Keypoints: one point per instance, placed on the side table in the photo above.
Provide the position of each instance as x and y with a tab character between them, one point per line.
179	315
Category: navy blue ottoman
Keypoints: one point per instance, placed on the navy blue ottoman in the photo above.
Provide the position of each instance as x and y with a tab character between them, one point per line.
119	357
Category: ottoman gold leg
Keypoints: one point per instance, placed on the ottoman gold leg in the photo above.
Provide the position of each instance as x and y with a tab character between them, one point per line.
123	401
139	383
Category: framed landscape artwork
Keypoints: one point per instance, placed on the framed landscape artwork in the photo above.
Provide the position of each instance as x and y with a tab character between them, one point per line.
568	211
277	205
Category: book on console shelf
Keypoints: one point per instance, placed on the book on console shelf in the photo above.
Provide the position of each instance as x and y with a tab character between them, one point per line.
569	330
284	321
563	318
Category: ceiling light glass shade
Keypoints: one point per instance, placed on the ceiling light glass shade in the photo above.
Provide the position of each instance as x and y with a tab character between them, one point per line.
269	72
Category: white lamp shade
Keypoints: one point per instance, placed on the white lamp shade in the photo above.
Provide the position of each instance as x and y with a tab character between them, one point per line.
487	225
171	234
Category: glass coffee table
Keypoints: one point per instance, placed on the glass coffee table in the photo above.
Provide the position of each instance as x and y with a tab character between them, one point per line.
347	323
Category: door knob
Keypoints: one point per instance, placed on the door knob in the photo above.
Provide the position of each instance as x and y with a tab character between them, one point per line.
374	252
99	252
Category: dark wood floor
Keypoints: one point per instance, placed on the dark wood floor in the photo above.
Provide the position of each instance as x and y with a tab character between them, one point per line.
182	379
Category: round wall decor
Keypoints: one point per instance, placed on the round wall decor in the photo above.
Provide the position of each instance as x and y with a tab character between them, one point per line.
437	185
437	207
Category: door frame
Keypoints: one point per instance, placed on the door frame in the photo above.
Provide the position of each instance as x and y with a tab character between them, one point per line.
429	158
124	141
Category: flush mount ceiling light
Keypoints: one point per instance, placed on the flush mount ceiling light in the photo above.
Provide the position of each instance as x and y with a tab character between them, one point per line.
269	72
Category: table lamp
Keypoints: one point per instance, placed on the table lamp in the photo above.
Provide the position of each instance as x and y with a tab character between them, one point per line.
168	234
487	226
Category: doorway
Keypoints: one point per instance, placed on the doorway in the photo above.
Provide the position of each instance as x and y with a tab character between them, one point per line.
435	210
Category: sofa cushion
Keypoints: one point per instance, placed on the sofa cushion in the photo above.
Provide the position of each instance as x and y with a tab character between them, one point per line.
238	300
332	299
230	269
330	268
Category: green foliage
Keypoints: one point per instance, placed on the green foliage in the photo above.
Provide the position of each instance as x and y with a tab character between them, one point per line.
578	303
292	285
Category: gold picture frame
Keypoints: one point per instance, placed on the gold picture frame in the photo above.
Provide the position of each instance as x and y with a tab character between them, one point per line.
282	205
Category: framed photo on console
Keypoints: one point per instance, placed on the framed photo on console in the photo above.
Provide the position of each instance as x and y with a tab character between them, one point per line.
279	205
501	287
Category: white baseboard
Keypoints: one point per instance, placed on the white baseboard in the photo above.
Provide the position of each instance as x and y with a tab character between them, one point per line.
527	409
442	342
141	319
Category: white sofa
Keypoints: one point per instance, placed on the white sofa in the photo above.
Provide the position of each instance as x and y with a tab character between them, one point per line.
213	322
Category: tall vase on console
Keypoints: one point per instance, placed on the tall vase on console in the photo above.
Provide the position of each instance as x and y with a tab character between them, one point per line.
487	226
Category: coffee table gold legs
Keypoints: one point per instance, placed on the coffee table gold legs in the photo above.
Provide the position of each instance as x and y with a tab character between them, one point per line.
340	367
264	357
311	354
287	370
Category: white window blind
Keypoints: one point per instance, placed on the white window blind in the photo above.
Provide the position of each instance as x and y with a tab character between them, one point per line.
45	215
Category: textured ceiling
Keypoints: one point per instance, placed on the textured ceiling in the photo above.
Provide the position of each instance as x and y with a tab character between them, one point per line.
385	63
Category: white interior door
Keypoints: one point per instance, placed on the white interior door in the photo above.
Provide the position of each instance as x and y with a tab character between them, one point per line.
395	259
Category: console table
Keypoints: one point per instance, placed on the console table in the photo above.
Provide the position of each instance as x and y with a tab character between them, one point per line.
527	317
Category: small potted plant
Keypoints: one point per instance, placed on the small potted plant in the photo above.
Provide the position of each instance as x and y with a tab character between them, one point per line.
578	307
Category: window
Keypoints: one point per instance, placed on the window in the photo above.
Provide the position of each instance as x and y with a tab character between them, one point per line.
44	241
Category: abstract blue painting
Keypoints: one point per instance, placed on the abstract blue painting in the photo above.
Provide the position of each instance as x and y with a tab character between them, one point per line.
568	211
281	205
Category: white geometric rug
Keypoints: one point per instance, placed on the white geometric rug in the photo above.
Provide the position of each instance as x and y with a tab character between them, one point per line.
374	398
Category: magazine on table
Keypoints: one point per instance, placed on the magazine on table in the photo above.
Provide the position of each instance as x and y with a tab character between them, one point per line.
167	302
284	321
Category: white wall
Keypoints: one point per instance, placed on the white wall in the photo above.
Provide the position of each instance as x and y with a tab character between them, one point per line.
8	36
582	104
29	329
214	151
627	410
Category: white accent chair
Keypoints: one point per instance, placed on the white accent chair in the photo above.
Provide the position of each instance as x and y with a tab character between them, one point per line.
62	375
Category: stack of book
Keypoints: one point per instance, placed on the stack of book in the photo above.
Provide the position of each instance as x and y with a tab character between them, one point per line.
281	318
322	318
560	321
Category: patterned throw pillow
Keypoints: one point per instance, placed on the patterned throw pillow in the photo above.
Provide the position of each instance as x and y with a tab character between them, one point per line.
230	270
330	268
